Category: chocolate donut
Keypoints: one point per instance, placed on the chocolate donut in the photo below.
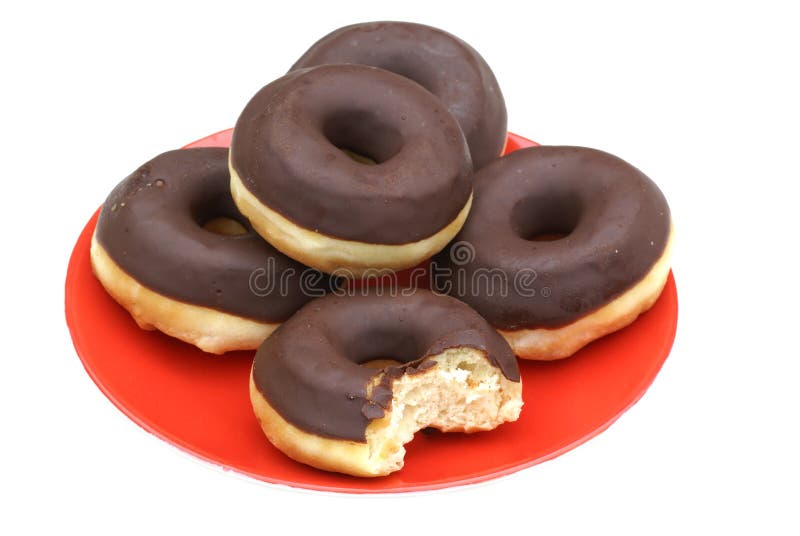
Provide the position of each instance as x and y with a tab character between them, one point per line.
319	403
563	245
438	61
152	253
315	203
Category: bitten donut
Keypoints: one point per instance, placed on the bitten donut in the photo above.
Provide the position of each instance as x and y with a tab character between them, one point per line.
291	177
440	62
319	401
563	245
168	248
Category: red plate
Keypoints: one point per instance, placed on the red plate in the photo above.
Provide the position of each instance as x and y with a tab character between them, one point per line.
199	402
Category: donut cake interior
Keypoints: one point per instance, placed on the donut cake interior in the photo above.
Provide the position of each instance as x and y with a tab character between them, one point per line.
462	392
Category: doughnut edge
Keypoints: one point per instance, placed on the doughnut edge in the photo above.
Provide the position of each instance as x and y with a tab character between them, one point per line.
543	344
334	255
379	456
337	455
212	331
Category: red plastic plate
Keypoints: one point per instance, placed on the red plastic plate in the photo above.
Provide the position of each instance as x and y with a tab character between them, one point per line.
199	402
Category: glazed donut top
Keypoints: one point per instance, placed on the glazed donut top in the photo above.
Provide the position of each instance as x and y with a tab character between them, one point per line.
616	221
151	225
286	152
440	62
311	368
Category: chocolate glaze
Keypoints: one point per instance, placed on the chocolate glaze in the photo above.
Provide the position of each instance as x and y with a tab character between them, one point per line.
310	372
440	62
151	226
284	148
616	220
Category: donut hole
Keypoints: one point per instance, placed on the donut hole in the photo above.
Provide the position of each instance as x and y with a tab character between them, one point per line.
360	158
381	363
219	216
546	218
383	346
225	226
363	136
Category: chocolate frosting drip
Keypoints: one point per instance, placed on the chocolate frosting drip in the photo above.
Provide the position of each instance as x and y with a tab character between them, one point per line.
310	369
438	61
616	220
285	148
151	226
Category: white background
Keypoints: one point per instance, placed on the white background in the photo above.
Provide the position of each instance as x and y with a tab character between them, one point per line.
702	97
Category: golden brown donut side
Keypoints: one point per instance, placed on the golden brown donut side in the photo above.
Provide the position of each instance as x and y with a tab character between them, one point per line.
210	330
550	344
346	258
338	455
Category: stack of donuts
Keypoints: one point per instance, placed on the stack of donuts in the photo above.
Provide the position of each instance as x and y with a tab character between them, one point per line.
381	151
